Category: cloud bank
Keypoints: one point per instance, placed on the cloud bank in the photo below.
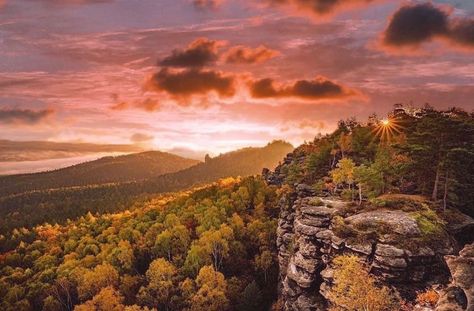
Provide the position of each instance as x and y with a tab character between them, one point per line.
317	89
24	116
199	53
188	82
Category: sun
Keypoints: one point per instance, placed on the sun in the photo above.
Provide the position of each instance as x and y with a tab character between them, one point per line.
386	129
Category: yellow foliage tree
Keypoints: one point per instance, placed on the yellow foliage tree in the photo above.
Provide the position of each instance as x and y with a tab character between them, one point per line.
108	299
92	281
160	276
355	289
211	295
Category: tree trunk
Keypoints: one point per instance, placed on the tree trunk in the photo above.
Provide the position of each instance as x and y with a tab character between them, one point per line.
352	193
434	195
360	194
445	196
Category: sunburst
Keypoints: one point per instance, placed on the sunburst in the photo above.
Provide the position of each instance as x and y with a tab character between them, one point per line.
386	129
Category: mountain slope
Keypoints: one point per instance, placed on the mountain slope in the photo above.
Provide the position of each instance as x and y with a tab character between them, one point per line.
32	208
132	167
243	162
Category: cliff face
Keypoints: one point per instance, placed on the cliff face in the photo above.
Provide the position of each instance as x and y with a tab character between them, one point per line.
312	230
459	295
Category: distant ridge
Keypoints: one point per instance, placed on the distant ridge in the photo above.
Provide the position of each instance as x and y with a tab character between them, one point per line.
110	169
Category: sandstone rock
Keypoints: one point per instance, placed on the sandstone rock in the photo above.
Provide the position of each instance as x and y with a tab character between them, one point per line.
325	235
304	190
307	230
302	278
315	222
392	262
420	252
388	251
307	264
307	245
462	272
320	211
397	222
307	249
306	303
452	299
327	273
364	248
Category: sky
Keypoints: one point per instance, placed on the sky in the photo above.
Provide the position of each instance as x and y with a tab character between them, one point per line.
198	76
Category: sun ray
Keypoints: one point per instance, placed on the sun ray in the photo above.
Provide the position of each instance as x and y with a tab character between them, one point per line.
386	129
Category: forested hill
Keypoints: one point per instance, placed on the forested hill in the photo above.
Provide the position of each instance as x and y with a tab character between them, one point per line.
32	208
210	249
131	167
243	162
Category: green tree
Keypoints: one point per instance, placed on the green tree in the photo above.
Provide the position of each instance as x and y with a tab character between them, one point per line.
369	181
172	243
264	262
251	299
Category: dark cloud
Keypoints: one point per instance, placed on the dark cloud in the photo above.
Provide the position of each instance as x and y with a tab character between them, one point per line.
320	7
190	82
319	88
413	25
199	53
141	138
461	32
24	116
246	55
207	4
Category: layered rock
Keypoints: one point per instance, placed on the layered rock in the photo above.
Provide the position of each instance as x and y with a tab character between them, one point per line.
460	293
393	243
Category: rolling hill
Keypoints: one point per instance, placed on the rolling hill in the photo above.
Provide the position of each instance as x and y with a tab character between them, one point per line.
58	205
125	168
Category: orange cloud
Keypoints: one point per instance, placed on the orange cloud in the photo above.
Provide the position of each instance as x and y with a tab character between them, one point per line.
317	89
149	104
189	82
199	53
245	55
120	106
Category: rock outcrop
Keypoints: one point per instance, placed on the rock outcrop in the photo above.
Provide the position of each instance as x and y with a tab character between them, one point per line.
395	245
460	293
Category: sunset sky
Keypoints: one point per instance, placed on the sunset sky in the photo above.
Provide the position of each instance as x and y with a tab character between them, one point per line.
216	75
